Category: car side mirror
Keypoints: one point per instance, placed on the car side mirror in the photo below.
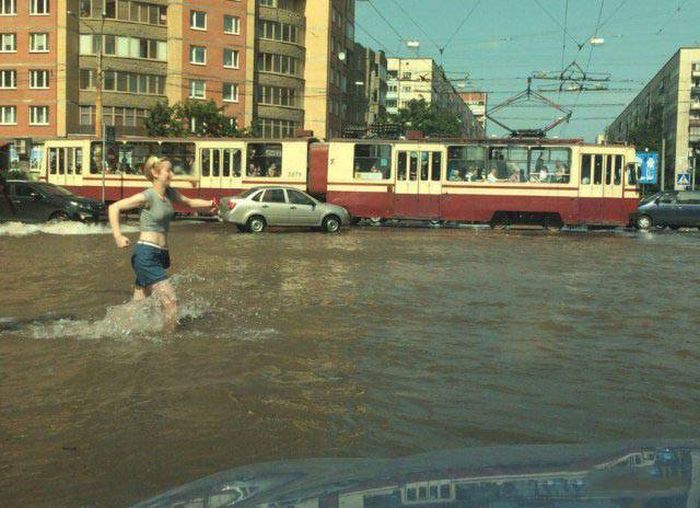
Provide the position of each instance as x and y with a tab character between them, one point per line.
657	201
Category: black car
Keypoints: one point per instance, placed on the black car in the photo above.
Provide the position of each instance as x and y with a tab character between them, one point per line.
39	201
674	209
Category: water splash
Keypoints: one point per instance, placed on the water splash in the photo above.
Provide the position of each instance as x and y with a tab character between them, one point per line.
128	320
67	228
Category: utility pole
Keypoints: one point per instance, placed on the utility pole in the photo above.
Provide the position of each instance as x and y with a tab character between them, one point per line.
663	163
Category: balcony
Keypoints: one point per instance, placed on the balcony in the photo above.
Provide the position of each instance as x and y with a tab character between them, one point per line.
695	91
694	105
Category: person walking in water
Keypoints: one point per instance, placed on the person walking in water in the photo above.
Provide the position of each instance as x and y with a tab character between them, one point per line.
150	258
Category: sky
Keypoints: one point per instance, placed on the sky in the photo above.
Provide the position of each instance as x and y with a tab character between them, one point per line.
495	45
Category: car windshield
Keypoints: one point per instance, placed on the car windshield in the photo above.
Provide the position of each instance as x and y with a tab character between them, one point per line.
651	198
54	190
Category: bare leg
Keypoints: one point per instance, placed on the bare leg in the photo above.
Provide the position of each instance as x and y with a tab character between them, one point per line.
165	293
140	294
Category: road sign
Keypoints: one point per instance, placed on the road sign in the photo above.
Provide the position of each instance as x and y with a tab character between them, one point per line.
648	163
682	180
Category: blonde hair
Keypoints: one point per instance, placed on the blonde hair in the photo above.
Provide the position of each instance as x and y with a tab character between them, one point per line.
151	164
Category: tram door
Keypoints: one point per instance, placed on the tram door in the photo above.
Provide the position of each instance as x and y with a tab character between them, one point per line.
591	188
220	171
418	188
65	165
613	208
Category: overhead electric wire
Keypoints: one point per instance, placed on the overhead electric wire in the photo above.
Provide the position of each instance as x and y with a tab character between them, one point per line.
553	18
449	40
393	29
415	23
371	37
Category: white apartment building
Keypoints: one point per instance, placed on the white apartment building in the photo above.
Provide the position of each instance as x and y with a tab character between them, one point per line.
676	89
421	78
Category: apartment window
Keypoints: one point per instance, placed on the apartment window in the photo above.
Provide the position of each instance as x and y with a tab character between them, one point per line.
110	9
38	115
8	42
38	6
110	45
230	92
8	7
8	79
39	79
8	115
232	24
85	8
277	31
86	115
268	3
276	96
231	58
198	55
198	89
269	62
87	79
198	20
38	42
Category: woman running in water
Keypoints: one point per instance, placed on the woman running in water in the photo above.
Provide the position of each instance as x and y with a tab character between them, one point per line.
150	258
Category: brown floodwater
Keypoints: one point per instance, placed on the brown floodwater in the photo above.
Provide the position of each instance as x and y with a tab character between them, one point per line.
377	342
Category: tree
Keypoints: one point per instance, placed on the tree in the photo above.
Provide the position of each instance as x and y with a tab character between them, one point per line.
162	121
197	118
427	118
204	118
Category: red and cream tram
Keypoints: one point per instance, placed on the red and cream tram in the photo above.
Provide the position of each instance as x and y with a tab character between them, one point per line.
508	181
203	168
504	181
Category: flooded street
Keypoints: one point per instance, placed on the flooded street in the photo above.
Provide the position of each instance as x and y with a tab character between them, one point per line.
377	342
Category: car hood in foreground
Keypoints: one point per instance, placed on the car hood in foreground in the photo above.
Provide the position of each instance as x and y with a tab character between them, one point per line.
628	474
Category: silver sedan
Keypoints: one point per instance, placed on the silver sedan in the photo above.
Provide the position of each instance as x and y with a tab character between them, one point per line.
255	209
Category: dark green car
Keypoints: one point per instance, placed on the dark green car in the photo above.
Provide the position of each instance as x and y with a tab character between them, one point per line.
39	202
673	209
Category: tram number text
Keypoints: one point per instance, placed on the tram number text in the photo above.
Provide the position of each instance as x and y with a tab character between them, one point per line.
295	174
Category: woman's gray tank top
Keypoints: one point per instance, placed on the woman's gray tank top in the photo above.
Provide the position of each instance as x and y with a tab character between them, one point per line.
157	212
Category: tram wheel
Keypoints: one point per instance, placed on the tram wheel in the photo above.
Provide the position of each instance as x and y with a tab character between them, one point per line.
499	221
644	222
256	224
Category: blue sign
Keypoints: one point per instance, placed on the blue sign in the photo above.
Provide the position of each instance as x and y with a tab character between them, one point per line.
683	179
648	163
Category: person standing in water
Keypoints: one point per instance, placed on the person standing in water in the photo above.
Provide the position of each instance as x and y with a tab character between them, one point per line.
150	258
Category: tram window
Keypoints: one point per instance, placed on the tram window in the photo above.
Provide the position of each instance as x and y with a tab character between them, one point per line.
216	163
78	161
597	169
372	162
413	166
586	169
401	166
608	169
181	156
433	492
226	168
206	162
95	157
69	160
619	162
436	167
61	161
52	160
424	166
517	164
550	165
632	170
444	491
232	163
264	159
467	163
